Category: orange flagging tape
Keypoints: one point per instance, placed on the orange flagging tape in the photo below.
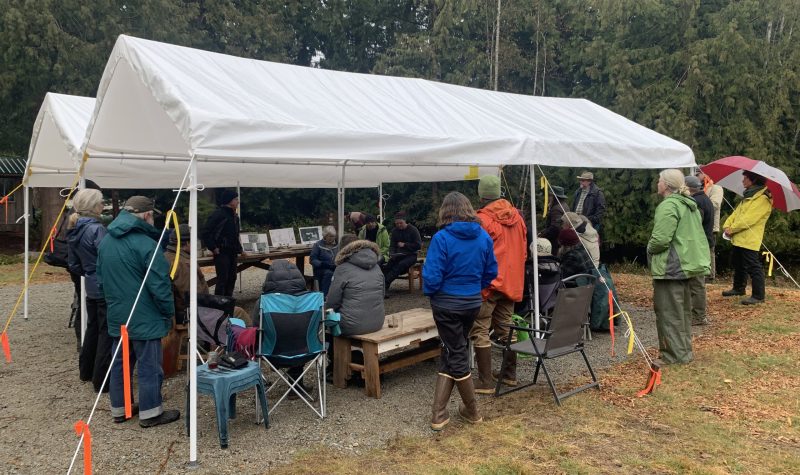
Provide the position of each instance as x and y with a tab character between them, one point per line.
652	382
82	429
4	201
611	319
53	233
6	348
126	371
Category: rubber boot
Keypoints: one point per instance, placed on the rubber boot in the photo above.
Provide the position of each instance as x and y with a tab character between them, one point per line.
485	383
441	397
509	368
468	408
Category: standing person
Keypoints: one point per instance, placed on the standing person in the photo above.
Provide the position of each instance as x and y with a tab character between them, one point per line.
122	263
322	258
357	220
697	285
405	242
459	265
745	226
590	201
374	231
715	194
505	226
86	233
552	223
221	236
677	252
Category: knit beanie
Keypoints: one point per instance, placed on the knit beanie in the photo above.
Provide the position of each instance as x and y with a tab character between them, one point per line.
543	247
489	187
186	232
568	237
227	196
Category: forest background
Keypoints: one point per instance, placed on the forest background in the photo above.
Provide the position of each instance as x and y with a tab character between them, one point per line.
722	76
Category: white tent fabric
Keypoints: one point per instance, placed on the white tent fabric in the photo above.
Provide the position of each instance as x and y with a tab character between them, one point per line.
162	104
58	133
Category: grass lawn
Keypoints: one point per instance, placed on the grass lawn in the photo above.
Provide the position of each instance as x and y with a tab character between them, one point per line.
735	409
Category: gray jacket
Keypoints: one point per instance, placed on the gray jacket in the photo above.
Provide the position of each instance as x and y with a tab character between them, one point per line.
357	288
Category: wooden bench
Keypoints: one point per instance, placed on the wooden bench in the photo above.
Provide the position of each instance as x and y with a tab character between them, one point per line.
416	336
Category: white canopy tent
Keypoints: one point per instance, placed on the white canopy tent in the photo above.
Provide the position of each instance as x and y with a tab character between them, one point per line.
163	108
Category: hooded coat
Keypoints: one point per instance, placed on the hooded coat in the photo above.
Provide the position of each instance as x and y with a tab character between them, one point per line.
122	260
678	248
460	261
505	226
357	289
381	239
749	219
83	240
587	234
284	278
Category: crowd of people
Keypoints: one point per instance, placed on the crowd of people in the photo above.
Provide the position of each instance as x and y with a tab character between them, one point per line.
476	272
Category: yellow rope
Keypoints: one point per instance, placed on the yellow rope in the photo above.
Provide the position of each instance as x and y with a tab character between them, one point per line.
770	259
543	183
174	216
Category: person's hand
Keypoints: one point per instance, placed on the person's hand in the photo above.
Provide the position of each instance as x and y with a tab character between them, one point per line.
401	244
728	232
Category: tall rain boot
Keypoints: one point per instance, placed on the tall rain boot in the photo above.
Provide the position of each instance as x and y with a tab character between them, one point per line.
509	369
468	408
485	383
441	397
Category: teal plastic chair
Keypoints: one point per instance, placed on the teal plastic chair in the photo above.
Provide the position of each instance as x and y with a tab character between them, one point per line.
223	384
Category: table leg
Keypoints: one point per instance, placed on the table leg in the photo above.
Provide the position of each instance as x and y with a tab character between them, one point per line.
372	374
341	361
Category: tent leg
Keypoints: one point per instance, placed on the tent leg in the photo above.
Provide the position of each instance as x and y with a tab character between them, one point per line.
340	207
26	205
534	256
380	203
239	192
84	314
192	353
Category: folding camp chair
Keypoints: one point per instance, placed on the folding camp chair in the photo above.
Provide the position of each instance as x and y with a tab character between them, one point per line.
291	335
563	337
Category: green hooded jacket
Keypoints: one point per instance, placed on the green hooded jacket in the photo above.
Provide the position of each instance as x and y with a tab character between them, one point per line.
122	260
678	248
381	239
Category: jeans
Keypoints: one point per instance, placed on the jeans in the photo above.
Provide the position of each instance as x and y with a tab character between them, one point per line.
148	356
454	327
225	265
96	351
748	263
397	265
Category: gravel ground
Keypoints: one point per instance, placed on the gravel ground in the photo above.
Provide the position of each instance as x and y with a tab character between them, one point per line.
41	398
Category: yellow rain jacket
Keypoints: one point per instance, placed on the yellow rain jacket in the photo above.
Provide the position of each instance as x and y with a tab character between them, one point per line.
748	220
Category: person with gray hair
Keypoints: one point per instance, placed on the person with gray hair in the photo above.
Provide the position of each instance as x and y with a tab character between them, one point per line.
322	258
697	285
677	252
83	239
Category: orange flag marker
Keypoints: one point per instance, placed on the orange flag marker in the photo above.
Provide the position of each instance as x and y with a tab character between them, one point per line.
653	381
6	348
82	428
126	371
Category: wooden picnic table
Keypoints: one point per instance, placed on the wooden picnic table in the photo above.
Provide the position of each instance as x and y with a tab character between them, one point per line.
245	261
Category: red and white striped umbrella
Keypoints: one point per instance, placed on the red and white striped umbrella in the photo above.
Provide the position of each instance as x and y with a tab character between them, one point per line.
727	173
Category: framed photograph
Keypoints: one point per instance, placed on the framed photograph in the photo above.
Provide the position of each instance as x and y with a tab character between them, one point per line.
310	235
282	237
254	243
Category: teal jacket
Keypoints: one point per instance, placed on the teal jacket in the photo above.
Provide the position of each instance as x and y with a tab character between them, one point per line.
678	248
381	239
122	260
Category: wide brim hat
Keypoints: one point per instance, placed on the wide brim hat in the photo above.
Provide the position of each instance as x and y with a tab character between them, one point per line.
586	176
558	192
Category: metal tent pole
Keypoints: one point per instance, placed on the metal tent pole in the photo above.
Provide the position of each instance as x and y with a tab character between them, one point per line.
239	192
192	351
380	203
84	314
340	207
26	205
535	256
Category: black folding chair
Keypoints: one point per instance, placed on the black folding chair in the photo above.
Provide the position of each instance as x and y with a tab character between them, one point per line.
564	336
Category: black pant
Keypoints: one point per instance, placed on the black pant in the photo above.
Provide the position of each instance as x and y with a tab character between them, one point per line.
96	351
454	327
397	265
75	314
746	263
225	265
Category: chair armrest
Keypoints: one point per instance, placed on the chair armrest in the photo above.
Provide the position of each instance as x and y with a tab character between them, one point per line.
529	330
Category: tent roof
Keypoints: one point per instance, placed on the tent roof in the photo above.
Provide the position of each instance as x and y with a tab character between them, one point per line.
159	104
59	130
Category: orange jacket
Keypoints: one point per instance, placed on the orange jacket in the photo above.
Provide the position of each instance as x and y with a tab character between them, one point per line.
507	229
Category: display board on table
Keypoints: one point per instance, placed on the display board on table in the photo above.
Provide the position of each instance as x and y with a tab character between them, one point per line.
256	243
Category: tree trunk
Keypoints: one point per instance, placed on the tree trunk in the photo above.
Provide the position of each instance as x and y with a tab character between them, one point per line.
50	202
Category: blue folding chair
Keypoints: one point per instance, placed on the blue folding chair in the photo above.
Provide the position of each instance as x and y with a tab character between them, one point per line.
291	335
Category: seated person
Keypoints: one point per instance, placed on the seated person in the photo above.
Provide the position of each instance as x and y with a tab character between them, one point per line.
404	244
356	291
322	258
180	283
586	232
374	231
574	258
549	274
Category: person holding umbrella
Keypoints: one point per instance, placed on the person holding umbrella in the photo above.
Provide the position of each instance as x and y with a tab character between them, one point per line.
745	228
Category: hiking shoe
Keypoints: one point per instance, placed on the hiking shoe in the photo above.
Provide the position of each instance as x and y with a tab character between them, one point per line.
751	301
699	321
165	418
121	419
292	396
732	293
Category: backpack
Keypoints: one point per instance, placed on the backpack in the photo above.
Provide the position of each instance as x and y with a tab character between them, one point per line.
598	320
58	256
212	324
